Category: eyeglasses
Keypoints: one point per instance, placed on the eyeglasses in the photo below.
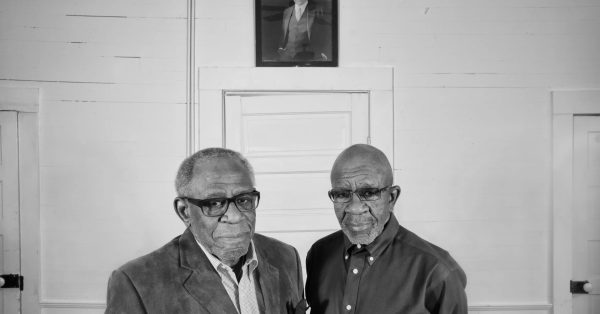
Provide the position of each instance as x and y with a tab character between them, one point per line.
364	194
213	207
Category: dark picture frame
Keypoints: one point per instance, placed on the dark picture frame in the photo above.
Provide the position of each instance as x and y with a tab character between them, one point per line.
310	41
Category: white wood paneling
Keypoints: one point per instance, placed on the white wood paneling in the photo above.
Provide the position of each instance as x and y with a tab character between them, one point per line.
474	172
112	82
99	169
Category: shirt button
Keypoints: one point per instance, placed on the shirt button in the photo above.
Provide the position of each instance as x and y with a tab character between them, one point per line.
346	256
358	246
355	271
371	258
348	307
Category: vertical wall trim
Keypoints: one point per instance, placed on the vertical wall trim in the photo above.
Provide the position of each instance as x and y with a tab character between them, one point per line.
191	78
394	118
29	210
25	101
565	106
369	118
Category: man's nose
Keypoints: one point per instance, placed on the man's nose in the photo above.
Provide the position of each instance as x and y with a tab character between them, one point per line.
233	214
356	206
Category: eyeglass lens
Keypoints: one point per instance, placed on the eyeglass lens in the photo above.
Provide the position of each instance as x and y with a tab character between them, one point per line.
364	194
218	206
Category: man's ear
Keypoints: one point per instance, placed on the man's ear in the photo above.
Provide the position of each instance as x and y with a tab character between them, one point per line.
394	194
182	210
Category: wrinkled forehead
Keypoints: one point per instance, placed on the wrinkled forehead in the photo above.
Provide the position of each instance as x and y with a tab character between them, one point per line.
221	171
359	169
360	176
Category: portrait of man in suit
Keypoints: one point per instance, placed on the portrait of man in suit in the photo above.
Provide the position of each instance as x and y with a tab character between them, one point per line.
306	33
298	32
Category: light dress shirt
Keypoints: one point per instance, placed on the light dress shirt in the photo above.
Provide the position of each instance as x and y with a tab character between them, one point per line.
299	10
242	294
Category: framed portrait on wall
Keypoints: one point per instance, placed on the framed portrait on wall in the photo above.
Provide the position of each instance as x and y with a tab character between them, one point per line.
296	33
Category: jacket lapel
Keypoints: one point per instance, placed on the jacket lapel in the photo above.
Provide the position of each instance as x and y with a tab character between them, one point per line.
310	19
203	282
287	15
269	284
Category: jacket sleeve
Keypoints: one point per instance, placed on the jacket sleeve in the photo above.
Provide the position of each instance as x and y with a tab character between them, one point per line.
448	296
309	290
301	306
122	296
300	278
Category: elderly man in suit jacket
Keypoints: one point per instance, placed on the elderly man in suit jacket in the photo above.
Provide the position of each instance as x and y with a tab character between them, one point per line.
306	33
218	264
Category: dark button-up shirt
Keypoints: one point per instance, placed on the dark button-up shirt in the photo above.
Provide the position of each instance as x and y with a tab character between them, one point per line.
397	273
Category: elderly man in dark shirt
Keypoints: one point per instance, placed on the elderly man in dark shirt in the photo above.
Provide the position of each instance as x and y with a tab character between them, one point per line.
374	265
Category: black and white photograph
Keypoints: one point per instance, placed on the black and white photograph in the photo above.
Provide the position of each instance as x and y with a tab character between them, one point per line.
296	33
300	157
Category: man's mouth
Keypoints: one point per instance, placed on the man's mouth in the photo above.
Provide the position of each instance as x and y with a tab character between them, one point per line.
358	227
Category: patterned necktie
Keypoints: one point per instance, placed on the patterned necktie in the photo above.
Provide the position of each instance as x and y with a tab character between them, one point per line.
298	13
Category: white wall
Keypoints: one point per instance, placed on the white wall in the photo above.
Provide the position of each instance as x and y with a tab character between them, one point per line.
472	118
112	132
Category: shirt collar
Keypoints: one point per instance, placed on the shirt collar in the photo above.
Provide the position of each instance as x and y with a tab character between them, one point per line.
302	6
251	258
380	243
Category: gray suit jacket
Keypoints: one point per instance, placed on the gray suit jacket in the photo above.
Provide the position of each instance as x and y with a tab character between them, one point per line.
178	278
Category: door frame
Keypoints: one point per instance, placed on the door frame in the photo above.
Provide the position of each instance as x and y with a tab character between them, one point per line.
566	105
25	101
207	114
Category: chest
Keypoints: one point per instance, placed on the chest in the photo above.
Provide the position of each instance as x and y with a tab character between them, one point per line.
360	284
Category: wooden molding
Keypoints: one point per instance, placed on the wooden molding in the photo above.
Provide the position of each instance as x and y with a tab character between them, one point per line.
565	106
25	101
19	99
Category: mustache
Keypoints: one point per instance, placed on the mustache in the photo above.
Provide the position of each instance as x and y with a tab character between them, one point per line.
357	220
233	231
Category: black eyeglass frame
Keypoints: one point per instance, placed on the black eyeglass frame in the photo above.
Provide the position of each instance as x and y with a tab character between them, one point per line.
376	191
202	203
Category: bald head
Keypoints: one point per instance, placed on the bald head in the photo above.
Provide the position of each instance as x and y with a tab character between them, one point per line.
362	156
366	172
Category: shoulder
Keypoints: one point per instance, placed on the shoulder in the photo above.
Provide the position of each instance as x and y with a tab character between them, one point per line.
273	249
288	10
330	240
262	240
424	248
327	244
437	260
164	257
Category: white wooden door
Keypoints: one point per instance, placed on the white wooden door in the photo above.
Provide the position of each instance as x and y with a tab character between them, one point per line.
10	300
586	214
292	139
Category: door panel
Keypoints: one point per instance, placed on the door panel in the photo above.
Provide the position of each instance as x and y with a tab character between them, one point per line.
586	214
292	139
10	298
